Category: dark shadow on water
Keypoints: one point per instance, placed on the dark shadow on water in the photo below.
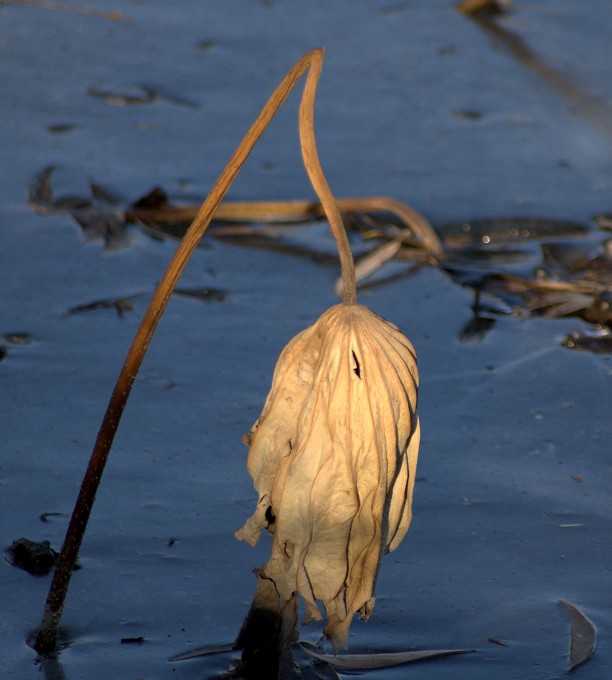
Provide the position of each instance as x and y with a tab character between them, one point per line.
267	635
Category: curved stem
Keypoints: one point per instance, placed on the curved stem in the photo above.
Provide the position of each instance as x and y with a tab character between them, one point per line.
47	633
319	183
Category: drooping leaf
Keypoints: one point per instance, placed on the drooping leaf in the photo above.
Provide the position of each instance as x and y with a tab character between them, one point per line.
333	457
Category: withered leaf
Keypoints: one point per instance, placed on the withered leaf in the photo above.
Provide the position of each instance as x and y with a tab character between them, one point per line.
333	457
97	215
126	97
35	557
380	660
204	651
120	305
97	222
141	94
583	636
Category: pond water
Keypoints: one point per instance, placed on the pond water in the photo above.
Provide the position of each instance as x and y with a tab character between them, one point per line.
417	102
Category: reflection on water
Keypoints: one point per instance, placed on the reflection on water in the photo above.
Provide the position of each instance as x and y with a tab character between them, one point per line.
588	106
52	668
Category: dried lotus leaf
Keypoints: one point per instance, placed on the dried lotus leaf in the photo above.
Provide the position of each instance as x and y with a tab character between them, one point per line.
333	458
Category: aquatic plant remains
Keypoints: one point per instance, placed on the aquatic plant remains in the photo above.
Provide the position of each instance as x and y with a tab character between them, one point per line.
334	453
333	456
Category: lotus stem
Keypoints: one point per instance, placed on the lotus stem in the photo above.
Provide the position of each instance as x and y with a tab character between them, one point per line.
46	639
319	183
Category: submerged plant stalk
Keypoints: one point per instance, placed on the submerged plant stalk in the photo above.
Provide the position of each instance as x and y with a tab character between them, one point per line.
47	634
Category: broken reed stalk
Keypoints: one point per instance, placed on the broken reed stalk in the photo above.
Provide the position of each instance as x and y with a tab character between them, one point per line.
46	638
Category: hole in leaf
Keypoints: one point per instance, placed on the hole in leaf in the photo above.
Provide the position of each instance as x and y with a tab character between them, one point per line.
357	369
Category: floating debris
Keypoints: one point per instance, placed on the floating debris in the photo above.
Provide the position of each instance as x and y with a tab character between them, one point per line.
523	266
44	517
60	7
139	95
205	651
205	294
598	341
37	558
363	662
120	305
17	338
583	636
98	215
60	128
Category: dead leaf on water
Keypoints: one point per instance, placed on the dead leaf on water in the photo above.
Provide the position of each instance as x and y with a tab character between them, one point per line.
138	95
37	558
362	662
583	636
205	294
204	651
98	215
542	267
120	305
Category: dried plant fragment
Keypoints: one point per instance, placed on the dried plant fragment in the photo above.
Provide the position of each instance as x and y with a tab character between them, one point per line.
583	636
333	457
121	305
360	662
599	341
37	558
